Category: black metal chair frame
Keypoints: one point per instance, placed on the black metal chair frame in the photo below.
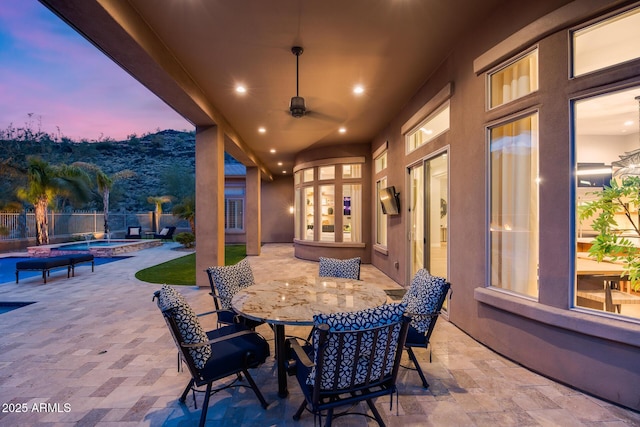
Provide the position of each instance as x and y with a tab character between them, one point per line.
319	401
197	377
227	313
427	336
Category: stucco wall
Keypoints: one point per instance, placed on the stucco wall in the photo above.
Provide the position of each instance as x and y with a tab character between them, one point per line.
590	351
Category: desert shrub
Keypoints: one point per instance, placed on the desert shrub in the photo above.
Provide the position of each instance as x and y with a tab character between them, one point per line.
185	239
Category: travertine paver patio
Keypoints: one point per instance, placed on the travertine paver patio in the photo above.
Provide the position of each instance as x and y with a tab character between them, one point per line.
95	351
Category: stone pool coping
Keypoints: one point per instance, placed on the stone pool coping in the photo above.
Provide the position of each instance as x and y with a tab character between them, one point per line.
125	246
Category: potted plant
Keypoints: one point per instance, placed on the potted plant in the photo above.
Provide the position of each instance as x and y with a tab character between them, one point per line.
620	197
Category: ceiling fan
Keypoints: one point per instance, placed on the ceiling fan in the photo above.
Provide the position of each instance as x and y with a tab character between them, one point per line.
296	106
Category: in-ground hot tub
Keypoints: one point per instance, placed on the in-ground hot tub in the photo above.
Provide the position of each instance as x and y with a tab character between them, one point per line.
98	248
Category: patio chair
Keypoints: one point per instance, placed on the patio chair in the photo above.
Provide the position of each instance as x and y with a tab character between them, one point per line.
165	234
224	352
343	268
134	233
225	282
424	301
354	357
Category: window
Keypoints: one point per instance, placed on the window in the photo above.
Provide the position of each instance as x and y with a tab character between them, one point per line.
607	43
307	213
327	172
381	218
327	196
381	162
514	80
329	207
352	213
233	214
513	228
435	125
307	175
607	140
351	171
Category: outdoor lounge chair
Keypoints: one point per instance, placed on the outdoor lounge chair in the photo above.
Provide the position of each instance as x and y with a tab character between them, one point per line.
424	300
224	352
165	234
343	268
355	357
134	233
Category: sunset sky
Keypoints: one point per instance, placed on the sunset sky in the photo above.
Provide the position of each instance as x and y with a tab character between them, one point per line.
70	87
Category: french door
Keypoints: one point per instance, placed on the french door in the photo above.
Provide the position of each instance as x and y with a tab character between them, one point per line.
428	215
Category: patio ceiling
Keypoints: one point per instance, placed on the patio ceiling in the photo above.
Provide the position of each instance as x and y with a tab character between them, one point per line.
193	53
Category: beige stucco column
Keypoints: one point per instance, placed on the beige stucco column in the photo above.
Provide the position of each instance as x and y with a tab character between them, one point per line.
209	200
252	217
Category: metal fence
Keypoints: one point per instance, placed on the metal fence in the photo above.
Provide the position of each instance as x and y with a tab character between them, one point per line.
21	225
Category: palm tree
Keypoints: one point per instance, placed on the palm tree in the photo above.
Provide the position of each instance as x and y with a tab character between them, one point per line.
105	183
187	210
158	201
44	183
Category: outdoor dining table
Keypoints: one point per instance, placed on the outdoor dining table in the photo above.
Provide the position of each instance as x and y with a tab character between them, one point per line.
295	301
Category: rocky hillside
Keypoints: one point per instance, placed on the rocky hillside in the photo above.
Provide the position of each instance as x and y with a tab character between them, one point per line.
164	163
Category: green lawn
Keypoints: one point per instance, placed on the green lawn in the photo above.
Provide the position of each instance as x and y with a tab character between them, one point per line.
182	271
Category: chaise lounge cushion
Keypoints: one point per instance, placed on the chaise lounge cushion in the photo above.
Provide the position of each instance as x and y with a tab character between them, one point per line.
43	263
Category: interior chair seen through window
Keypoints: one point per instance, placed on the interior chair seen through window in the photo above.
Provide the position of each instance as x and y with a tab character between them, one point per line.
354	357
212	356
424	301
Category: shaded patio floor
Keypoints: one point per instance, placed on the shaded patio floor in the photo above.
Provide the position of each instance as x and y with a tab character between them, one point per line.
96	350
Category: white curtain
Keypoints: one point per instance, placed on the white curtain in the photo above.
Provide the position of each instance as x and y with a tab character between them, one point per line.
514	206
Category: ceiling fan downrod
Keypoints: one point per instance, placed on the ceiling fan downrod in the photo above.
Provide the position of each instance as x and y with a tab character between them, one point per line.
296	106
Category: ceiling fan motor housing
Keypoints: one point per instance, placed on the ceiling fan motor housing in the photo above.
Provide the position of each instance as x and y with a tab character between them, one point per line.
297	107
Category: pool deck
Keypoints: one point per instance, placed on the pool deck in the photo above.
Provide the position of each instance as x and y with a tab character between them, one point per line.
95	350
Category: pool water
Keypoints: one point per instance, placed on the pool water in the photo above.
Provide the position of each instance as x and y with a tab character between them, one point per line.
6	307
8	267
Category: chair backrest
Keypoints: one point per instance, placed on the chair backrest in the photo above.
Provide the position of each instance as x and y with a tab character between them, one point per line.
185	328
353	351
343	268
228	280
424	300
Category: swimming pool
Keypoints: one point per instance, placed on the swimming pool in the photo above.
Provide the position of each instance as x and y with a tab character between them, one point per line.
8	267
99	248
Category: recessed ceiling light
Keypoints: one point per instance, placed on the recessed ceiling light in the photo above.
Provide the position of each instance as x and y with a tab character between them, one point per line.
628	123
279	163
273	150
358	89
241	89
262	129
342	130
284	171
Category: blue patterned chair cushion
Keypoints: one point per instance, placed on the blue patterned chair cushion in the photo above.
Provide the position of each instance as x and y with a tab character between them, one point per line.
230	279
172	301
344	268
422	299
348	359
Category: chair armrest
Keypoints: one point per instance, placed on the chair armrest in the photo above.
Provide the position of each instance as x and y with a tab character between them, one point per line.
219	298
299	353
216	340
